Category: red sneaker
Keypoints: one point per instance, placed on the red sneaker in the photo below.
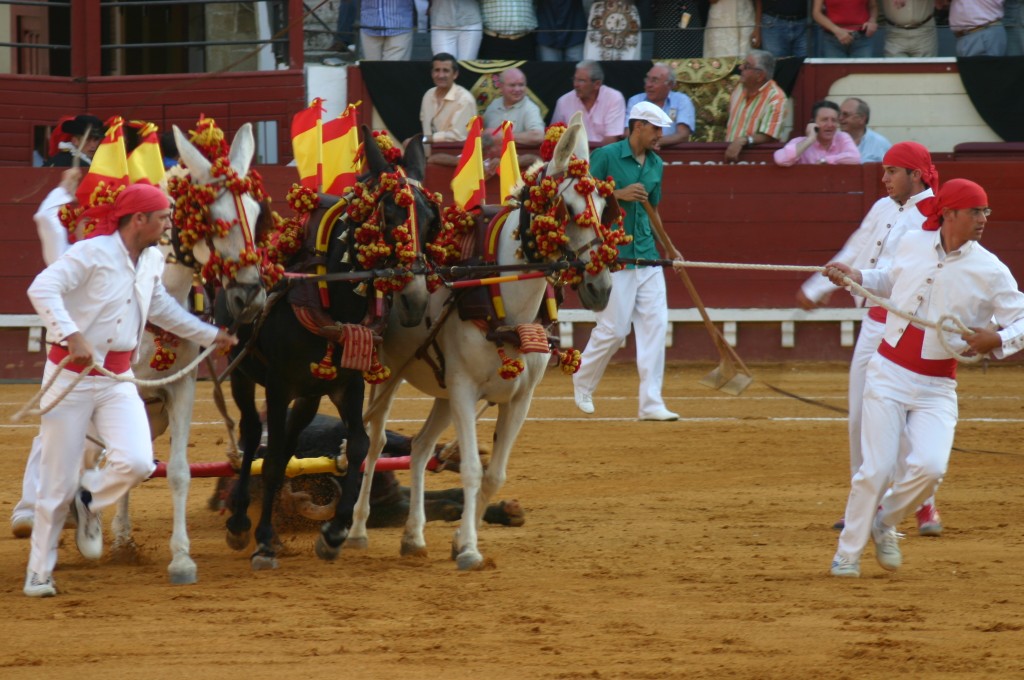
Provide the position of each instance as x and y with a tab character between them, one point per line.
929	523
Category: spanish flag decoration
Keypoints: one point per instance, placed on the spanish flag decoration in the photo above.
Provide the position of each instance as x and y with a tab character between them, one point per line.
340	147
146	162
508	168
306	130
468	180
109	168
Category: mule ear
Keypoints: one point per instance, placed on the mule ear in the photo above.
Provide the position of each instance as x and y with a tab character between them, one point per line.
192	157
582	149
243	146
415	158
375	160
565	148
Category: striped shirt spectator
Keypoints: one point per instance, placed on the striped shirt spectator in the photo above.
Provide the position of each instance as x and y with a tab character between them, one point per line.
757	108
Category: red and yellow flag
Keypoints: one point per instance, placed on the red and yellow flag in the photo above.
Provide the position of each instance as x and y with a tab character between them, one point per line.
109	168
340	147
508	167
146	162
468	181
306	135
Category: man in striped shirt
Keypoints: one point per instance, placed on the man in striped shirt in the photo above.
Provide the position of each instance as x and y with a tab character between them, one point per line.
758	106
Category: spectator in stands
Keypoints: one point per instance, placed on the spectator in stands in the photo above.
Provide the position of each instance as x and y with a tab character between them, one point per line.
854	115
561	29
603	107
911	31
456	28
758	106
345	29
780	27
660	90
977	25
846	26
386	29
729	28
515	106
508	29
84	134
824	144
446	108
169	149
1013	19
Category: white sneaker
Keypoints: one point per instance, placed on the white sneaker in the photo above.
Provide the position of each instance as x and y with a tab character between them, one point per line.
584	401
661	414
37	586
887	546
844	567
89	532
21	526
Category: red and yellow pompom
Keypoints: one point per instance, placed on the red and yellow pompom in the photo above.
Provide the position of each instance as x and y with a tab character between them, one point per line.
569	360
510	368
325	369
377	372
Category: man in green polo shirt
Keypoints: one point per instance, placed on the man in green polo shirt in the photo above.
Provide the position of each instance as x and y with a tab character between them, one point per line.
638	293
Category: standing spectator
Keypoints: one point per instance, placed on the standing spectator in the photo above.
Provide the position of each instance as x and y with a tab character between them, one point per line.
456	28
911	31
516	107
854	115
603	107
910	403
345	29
780	27
638	293
978	27
660	90
729	29
446	108
1013	19
757	107
561	29
386	29
508	29
824	143
84	134
846	26
613	31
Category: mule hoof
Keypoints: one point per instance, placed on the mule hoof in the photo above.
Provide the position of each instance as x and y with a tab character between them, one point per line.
469	560
326	551
412	550
262	562
237	541
182	572
354	543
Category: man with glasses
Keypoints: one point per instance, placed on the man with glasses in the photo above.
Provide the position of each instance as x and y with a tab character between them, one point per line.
910	403
854	115
758	106
603	107
660	90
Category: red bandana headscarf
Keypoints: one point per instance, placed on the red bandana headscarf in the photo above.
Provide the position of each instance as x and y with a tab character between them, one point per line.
913	156
143	198
956	194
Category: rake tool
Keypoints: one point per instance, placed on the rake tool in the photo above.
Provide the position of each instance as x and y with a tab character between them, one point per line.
731	375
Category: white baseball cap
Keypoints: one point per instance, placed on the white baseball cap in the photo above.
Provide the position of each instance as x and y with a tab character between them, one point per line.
650	113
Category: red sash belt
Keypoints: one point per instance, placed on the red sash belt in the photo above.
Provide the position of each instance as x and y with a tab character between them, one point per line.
877	314
115	362
907	353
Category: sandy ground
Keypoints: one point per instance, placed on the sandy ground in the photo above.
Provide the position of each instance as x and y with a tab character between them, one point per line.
695	549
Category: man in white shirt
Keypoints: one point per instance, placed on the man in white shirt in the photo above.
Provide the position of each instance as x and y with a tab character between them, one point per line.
515	107
939	274
446	108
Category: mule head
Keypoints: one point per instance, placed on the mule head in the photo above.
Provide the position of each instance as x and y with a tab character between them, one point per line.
232	249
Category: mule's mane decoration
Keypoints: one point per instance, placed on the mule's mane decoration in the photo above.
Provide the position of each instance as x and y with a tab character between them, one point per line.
551	136
446	247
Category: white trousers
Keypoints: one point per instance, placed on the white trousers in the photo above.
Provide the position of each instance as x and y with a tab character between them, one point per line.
898	403
637	300
120	420
462	42
25	508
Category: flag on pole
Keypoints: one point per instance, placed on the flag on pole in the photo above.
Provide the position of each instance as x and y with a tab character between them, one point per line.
306	147
468	181
340	147
508	167
146	162
109	168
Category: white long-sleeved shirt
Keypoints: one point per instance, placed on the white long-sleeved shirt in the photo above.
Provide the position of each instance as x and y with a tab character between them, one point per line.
52	234
970	284
872	245
95	289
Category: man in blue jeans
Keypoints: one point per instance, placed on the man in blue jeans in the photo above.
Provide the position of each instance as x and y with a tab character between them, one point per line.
846	27
780	27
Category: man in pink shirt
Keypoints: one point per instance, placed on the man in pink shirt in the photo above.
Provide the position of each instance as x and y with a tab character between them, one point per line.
603	107
825	143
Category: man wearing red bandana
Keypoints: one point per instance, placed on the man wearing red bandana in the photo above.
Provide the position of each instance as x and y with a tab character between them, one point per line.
938	274
909	179
95	300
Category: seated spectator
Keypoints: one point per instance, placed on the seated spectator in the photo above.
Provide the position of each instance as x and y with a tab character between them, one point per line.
757	108
456	28
84	134
846	26
508	29
854	115
603	107
515	106
561	28
446	108
660	90
169	149
825	143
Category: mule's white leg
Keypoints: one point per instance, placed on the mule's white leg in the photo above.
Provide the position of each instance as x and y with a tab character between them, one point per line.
182	569
510	421
413	542
463	400
121	528
375	425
